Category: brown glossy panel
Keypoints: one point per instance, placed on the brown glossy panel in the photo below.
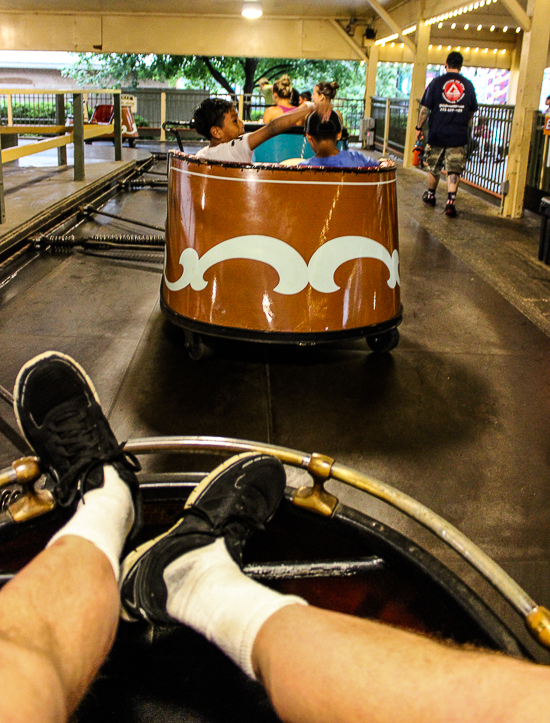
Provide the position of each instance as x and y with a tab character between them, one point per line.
288	216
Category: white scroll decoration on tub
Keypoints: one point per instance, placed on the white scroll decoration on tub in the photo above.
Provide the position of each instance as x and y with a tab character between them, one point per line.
294	273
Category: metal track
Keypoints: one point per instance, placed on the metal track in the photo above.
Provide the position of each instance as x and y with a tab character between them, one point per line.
68	210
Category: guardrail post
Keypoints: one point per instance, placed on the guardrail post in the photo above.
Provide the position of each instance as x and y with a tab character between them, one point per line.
241	106
162	116
118	126
10	109
78	137
2	202
60	121
386	127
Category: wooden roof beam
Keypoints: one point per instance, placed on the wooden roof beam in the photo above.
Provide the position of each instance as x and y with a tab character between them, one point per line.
387	18
350	41
518	13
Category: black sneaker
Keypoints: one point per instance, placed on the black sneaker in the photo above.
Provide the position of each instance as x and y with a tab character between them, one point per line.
450	210
233	501
428	198
58	411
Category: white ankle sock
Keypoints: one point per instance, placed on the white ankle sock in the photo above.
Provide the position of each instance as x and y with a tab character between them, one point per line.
208	592
104	516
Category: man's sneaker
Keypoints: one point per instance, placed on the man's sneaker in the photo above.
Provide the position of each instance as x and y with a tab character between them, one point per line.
450	210
428	198
58	411
233	501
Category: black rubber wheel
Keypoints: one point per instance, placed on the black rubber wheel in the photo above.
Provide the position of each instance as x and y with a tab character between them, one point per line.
384	342
196	346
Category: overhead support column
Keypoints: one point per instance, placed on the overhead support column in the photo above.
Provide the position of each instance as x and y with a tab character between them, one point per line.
534	51
418	84
370	80
514	76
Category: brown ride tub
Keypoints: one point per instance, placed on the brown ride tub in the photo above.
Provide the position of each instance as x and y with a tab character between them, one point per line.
281	254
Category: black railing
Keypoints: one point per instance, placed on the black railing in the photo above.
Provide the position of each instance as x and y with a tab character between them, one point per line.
399	110
488	147
538	172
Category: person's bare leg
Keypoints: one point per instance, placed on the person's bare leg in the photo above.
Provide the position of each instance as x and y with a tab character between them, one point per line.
58	618
325	667
433	182
453	180
452	187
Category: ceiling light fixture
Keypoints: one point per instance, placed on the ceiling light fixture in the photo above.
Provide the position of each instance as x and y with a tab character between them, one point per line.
252	10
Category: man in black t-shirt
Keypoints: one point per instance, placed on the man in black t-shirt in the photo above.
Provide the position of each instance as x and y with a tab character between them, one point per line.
450	101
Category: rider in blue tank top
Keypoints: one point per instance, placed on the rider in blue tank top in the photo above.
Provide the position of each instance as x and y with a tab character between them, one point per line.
323	136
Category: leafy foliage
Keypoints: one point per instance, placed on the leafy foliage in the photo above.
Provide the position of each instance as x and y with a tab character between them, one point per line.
390	79
41	111
231	74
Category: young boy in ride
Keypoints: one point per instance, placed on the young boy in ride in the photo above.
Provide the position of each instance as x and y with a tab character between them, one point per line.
323	135
218	121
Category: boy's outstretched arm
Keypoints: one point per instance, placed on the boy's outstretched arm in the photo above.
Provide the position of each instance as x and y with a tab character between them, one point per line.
287	120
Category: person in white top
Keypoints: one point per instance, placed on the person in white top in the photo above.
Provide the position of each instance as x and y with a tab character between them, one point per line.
218	121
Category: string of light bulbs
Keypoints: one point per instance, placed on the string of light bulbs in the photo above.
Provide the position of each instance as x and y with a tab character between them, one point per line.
440	20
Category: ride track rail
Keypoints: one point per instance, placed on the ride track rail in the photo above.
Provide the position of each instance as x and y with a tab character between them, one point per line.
79	207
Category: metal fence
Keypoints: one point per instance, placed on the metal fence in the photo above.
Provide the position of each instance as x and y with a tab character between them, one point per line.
20	108
180	105
28	108
538	172
488	147
399	110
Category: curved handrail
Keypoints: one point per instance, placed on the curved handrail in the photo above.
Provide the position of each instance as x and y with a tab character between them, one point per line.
537	618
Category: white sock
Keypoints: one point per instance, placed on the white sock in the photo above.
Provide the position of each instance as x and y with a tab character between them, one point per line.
208	592
104	516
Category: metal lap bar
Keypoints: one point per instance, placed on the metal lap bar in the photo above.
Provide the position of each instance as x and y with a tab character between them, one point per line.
322	568
537	618
294	570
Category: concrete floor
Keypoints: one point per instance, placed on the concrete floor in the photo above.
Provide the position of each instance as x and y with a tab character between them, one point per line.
457	416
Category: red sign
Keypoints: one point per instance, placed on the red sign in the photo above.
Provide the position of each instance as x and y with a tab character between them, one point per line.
547	125
453	91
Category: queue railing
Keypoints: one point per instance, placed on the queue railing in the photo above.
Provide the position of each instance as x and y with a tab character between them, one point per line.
60	114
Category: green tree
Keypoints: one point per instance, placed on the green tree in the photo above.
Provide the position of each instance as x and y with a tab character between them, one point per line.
390	78
211	73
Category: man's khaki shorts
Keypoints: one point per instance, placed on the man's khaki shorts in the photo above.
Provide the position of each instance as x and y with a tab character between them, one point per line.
454	159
